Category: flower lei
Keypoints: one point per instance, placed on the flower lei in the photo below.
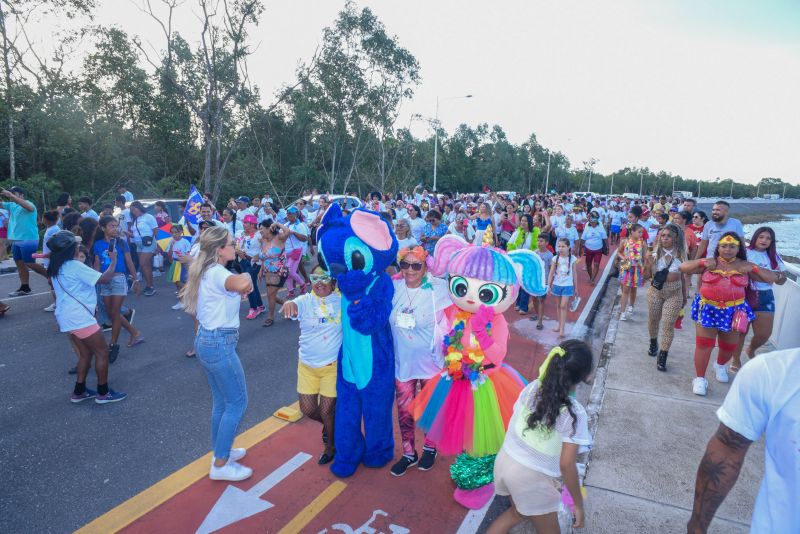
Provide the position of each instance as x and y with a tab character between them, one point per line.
461	363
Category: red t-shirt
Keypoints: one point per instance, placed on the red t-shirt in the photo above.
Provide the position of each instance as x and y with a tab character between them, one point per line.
624	233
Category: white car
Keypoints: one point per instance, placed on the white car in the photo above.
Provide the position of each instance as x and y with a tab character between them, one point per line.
346	202
630	196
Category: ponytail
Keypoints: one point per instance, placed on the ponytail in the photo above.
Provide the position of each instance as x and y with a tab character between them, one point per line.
211	240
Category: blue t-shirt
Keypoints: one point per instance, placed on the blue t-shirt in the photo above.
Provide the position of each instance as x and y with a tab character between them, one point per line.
21	223
100	250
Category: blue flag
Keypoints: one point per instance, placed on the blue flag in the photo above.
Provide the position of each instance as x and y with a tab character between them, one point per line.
193	203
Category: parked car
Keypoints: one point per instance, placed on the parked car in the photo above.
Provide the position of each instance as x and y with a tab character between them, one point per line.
630	196
346	202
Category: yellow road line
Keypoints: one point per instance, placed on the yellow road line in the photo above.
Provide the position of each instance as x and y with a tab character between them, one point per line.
160	492
302	519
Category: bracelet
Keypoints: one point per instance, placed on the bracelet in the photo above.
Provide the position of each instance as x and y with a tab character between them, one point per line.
756	270
703	263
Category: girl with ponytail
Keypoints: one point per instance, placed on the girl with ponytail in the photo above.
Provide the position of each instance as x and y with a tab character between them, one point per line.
546	431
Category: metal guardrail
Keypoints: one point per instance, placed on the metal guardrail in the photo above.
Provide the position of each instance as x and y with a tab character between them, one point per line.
785	331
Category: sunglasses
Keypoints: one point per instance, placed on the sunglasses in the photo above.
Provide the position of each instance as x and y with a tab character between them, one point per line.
413	266
320	279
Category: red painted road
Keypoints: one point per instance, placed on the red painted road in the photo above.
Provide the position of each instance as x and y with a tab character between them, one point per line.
419	501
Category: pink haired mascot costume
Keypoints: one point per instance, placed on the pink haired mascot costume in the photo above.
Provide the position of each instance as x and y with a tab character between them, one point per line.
465	410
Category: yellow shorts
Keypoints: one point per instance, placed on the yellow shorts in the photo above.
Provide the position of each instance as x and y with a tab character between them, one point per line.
316	380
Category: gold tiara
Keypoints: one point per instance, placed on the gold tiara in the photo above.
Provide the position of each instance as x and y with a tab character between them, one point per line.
729	240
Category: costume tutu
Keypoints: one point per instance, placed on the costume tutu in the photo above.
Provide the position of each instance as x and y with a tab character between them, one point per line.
467	407
630	267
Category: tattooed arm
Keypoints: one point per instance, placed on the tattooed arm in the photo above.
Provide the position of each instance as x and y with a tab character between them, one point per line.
716	475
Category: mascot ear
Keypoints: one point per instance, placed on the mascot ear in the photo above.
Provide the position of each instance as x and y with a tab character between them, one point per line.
370	228
331	214
530	270
445	248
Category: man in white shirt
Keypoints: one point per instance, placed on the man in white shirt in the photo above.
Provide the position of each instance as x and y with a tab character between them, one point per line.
123	191
242	207
763	400
85	207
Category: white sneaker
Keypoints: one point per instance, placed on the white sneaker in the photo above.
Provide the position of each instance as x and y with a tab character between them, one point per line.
231	471
235	456
722	373
629	310
623	316
178	305
699	386
51	308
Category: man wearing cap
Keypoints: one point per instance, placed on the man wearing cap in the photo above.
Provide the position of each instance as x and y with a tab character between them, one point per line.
24	236
242	207
248	249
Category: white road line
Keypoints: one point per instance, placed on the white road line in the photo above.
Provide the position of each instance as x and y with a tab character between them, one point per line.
579	327
473	519
6	299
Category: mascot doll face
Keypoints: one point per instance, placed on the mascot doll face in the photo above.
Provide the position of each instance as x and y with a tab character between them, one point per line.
356	248
470	294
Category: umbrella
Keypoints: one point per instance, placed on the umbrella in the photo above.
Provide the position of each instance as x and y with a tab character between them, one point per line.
164	235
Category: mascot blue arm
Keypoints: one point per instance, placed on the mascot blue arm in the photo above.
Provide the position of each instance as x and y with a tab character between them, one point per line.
356	251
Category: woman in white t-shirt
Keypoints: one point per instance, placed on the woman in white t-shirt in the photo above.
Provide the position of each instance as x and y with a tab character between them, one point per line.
415	222
143	235
76	299
546	432
417	307
213	295
319	314
403	232
763	253
665	304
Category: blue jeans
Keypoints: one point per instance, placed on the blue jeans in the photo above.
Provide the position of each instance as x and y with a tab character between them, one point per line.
216	351
254	297
522	300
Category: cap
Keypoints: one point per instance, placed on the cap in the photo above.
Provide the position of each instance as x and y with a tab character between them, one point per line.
244	199
250	218
292	210
17	189
62	241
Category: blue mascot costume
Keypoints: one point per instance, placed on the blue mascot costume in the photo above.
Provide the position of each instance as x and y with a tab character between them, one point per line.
356	250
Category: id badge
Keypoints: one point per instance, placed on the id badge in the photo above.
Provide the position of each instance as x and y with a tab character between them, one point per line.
406	320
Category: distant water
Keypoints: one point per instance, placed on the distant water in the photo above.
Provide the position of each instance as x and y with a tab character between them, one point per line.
787	233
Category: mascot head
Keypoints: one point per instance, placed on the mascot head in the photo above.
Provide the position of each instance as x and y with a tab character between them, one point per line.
362	243
483	275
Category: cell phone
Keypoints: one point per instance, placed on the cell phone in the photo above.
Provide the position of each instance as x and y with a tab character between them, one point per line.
111	246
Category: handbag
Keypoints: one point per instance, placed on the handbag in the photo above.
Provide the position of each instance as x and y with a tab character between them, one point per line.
661	276
604	250
505	235
740	321
147	240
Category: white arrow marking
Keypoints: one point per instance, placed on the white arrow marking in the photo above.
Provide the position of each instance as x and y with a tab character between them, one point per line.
234	504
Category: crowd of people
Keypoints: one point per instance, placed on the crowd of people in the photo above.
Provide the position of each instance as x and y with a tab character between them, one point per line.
94	260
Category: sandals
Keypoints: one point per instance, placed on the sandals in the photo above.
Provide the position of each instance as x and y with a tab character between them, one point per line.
268	323
4	308
539	326
136	341
733	368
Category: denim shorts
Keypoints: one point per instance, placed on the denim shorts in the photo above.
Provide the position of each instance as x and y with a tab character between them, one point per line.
765	300
563	291
141	249
117	287
24	250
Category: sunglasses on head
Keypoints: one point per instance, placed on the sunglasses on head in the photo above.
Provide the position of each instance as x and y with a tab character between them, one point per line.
413	266
320	279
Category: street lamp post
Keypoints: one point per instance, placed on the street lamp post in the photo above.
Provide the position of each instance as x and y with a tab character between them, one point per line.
641	181
547	177
436	136
611	192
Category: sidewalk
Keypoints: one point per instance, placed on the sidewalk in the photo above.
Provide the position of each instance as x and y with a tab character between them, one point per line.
651	435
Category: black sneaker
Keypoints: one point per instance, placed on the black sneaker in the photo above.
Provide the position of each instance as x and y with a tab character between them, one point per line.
428	458
106	327
73	371
399	469
113	352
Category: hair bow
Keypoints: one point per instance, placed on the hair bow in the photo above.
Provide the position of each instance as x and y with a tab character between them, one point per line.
417	251
555	351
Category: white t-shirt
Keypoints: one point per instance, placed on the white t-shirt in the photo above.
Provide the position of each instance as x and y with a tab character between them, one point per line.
143	226
616	218
540	449
293	242
557	220
91	214
593	236
181	247
76	311
417	347
251	245
416	226
468	235
400	213
409	242
765	400
216	306
564	269
50	232
320	328
235	228
570	233
249	210
762	260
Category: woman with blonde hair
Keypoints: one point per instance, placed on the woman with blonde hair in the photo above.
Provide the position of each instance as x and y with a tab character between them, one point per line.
213	295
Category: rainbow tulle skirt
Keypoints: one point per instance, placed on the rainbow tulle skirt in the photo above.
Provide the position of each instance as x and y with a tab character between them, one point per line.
459	417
